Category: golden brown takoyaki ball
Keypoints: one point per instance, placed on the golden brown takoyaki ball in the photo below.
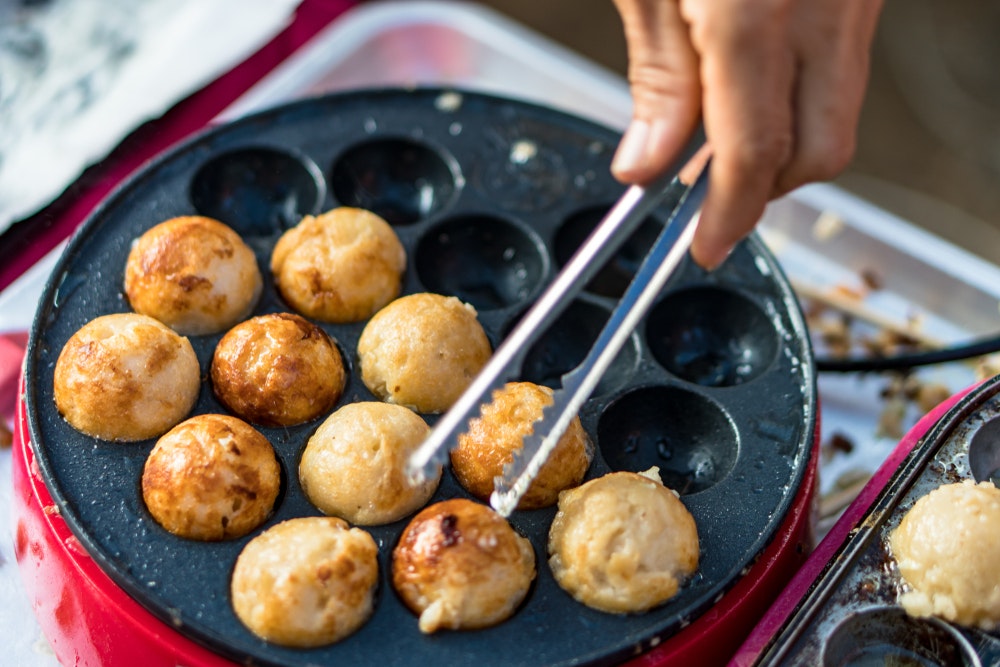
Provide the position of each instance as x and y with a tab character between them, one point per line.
278	370
498	432
354	465
422	351
306	582
126	377
211	477
341	266
948	550
194	274
622	543
460	566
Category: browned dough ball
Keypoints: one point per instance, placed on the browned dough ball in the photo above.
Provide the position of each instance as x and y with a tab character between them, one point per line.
341	266
622	543
211	477
126	377
194	274
278	370
354	465
422	351
460	566
494	436
306	582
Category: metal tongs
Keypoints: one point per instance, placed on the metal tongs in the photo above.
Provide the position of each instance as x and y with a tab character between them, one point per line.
577	385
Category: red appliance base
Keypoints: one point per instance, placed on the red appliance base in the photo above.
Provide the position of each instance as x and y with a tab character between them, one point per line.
91	622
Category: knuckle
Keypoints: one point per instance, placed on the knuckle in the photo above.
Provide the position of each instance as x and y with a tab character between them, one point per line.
769	151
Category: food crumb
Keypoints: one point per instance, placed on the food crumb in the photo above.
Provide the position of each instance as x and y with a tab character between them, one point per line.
6	437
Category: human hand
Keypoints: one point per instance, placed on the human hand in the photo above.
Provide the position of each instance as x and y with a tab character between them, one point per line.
778	85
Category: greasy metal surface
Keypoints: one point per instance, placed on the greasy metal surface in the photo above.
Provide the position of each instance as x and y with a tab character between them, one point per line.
478	189
862	580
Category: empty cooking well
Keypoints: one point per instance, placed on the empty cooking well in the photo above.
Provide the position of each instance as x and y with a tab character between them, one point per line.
716	387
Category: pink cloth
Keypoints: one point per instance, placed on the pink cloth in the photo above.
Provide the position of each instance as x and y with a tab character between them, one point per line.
11	355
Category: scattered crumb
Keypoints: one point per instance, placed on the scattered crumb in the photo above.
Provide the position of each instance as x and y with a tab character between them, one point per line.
827	226
6	437
836	444
930	396
871	279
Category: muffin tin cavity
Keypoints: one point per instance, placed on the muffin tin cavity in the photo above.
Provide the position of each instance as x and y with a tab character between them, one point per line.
537	180
399	179
564	346
257	191
984	453
890	637
614	277
711	337
482	260
690	438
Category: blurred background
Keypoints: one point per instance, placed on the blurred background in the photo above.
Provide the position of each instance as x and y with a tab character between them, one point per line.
929	140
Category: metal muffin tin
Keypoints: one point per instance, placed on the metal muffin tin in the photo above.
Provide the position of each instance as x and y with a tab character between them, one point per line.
488	196
852	614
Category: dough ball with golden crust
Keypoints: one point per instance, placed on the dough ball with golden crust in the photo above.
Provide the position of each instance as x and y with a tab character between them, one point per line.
947	547
422	351
278	370
194	274
499	431
354	464
306	582
341	266
126	377
460	566
211	477
622	543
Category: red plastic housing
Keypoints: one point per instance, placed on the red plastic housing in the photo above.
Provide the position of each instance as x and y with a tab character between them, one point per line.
91	622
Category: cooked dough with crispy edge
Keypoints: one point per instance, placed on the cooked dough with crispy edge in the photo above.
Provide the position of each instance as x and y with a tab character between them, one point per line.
947	547
494	436
306	582
194	274
126	377
622	543
211	477
460	566
422	351
354	464
278	370
341	266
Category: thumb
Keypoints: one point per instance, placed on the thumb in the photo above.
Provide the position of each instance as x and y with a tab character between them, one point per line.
666	90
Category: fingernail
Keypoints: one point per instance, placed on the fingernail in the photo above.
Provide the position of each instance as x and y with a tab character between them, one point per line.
710	260
631	153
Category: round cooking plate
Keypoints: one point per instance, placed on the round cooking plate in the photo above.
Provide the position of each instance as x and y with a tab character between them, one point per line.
716	387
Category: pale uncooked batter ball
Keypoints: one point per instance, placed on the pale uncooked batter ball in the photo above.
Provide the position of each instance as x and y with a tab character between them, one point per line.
278	370
422	351
494	436
460	566
341	266
306	582
211	477
948	550
194	274
622	543
126	377
354	465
